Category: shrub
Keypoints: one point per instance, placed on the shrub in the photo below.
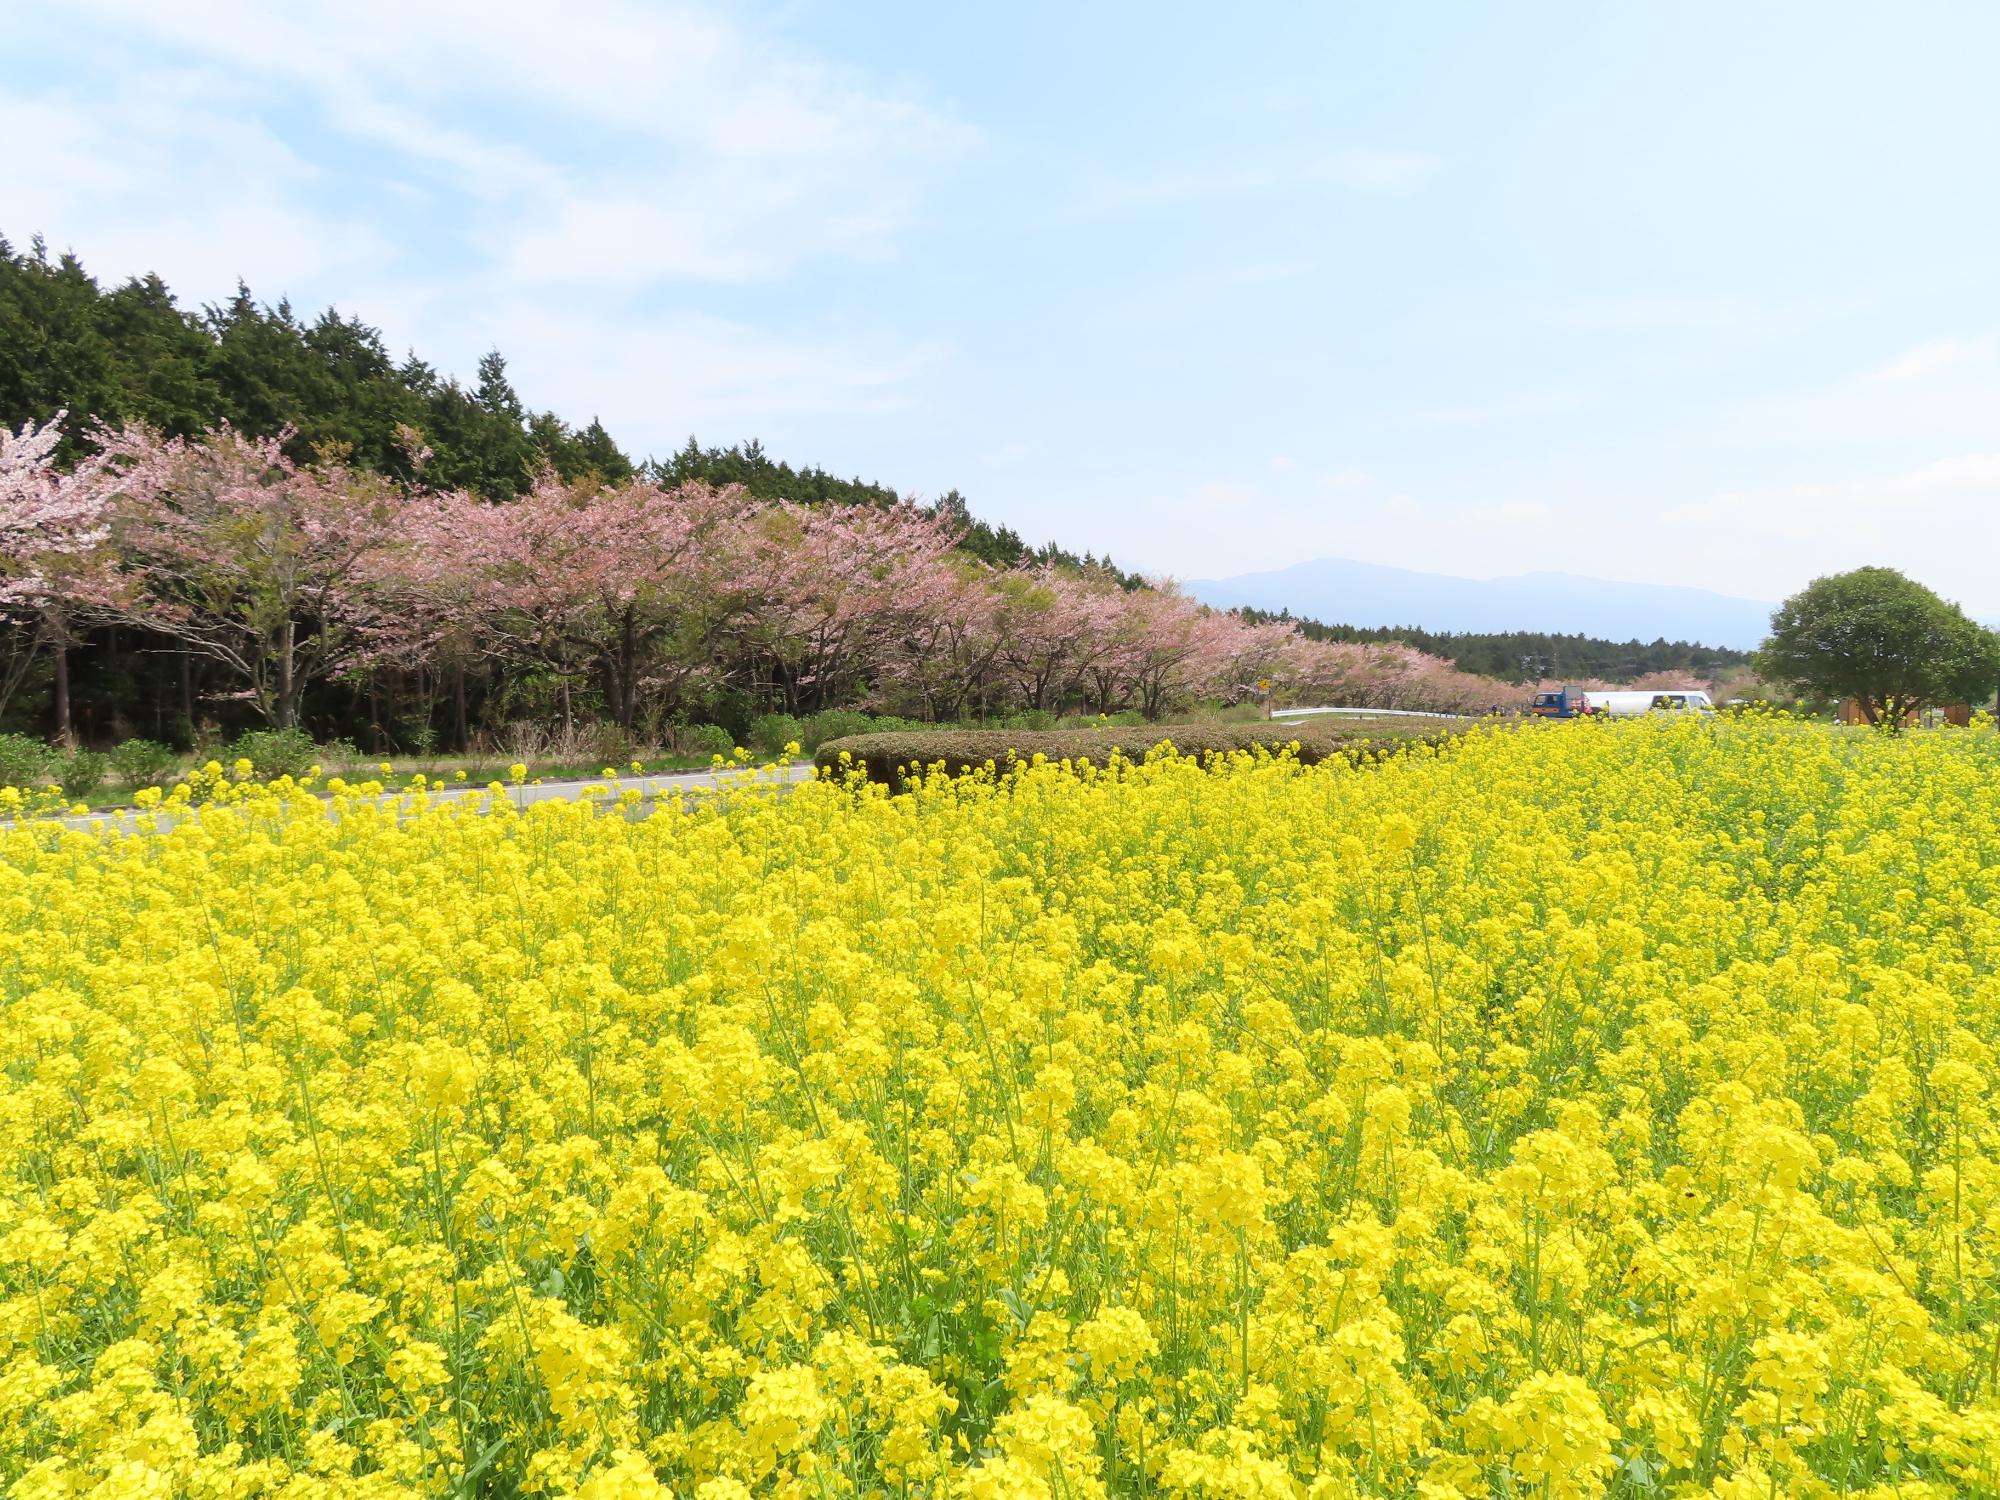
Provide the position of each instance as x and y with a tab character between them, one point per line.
884	757
144	762
1029	718
833	724
337	757
82	772
610	745
25	761
274	752
703	739
838	723
770	733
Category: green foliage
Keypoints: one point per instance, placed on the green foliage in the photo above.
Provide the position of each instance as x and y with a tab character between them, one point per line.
26	761
839	723
1029	718
609	744
144	762
274	752
133	354
1883	640
1519	655
770	733
82	772
886	757
703	739
832	724
70	346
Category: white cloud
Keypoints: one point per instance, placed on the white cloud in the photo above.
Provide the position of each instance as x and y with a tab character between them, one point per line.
1935	357
565	186
208	198
624	142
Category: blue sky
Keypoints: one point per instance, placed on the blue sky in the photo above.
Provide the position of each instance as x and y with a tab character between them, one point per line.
1678	293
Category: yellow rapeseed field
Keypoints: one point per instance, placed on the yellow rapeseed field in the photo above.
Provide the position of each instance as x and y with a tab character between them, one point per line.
1577	1110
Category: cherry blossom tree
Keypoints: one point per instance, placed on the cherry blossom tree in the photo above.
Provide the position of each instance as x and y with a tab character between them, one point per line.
249	559
671	576
1162	648
1055	626
288	574
428	622
1670	678
1396	676
835	589
572	579
57	570
941	662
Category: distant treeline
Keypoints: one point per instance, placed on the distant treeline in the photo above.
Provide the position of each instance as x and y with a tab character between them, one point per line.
1526	655
133	354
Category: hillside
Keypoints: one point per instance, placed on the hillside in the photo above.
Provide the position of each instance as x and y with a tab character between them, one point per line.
1511	654
1368	595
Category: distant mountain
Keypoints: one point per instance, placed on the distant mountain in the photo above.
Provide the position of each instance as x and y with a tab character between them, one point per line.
1338	591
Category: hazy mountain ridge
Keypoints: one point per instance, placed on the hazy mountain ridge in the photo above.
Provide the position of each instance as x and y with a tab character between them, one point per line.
1370	595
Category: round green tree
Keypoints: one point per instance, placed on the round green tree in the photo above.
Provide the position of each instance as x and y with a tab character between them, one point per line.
1883	640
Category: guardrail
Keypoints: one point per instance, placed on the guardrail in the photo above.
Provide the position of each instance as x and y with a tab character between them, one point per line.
1361	713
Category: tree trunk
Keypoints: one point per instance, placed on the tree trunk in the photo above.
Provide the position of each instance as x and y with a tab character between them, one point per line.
65	730
288	708
461	733
628	676
187	694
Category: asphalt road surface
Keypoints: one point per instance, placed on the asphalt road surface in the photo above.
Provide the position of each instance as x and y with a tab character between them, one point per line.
132	820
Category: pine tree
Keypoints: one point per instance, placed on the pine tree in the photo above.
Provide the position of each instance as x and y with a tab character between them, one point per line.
54	356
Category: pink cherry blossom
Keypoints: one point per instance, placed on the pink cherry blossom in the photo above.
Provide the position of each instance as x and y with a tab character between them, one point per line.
57	569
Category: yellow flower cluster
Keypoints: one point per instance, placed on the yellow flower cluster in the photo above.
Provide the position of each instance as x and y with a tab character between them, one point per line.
1576	1110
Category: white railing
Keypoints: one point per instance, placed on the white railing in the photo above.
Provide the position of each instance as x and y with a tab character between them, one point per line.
1361	713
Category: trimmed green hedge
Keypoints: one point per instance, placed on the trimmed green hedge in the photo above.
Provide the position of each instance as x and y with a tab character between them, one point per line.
885	757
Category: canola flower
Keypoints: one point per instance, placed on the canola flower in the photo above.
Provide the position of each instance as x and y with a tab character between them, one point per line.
1571	1111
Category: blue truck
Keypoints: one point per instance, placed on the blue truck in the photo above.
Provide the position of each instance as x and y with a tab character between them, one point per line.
1564	703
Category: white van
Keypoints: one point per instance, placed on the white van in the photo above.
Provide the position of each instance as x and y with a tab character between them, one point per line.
1632	705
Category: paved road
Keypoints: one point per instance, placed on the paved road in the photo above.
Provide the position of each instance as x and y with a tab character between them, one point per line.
1282	714
131	820
649	786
